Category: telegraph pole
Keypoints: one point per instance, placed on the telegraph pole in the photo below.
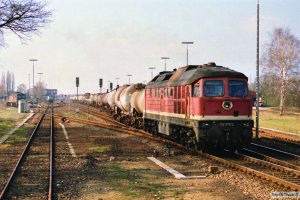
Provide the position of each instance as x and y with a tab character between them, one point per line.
33	60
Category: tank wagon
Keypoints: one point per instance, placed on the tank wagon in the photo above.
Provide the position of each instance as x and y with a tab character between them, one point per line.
195	105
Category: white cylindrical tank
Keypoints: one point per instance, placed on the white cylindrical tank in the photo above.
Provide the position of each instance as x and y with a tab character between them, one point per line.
138	100
93	98
104	100
118	94
99	99
125	97
111	98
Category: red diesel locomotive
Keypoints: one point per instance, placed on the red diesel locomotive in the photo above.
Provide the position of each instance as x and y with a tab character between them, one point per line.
200	104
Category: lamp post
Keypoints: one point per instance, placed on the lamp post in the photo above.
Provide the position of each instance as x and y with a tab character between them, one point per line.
40	73
29	86
165	58
187	51
108	88
152	68
129	78
117	81
33	60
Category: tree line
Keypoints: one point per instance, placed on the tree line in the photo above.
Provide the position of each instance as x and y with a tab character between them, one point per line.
280	77
7	83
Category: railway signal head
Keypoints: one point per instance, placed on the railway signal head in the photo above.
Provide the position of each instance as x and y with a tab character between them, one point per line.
77	81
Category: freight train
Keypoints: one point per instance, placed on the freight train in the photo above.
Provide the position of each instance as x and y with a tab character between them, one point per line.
196	105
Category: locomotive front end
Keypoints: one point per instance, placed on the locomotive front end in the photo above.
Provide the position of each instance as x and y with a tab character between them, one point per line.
226	112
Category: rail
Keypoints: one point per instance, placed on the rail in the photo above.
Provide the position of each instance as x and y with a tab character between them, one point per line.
287	177
25	152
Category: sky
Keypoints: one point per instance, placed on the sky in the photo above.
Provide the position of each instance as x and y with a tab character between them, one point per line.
110	39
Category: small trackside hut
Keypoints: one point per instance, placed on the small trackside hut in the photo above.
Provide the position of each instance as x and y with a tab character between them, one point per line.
200	104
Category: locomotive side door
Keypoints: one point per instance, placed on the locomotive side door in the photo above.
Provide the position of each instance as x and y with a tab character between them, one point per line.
187	103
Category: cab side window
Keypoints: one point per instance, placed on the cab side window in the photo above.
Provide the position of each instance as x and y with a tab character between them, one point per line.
196	91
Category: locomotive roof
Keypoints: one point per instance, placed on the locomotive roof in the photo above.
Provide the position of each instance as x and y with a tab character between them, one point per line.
189	74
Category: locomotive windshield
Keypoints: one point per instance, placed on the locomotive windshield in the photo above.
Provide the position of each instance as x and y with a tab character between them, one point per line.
213	88
238	88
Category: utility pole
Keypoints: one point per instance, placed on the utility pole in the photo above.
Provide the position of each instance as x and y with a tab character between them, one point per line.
257	75
33	60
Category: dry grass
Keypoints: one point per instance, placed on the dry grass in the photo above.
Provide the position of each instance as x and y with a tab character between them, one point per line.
9	117
271	119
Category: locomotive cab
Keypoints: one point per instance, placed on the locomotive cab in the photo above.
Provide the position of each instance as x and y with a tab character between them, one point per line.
225	111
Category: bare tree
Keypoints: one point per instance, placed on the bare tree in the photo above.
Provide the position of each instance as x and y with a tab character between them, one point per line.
12	82
39	88
22	88
2	85
281	59
23	18
8	83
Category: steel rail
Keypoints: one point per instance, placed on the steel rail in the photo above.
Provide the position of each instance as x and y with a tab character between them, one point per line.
21	158
273	160
278	167
253	172
280	136
277	150
280	181
96	113
97	123
51	150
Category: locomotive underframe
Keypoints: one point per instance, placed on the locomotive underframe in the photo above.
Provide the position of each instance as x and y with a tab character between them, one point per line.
217	133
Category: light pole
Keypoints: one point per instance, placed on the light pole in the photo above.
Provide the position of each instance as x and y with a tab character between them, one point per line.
187	51
108	86
165	58
152	68
40	73
117	81
29	86
129	78
33	60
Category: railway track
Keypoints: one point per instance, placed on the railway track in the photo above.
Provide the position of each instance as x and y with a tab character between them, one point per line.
32	176
280	157
265	167
280	136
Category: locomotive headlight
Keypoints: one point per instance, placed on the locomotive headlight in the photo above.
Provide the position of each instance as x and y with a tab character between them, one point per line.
227	105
